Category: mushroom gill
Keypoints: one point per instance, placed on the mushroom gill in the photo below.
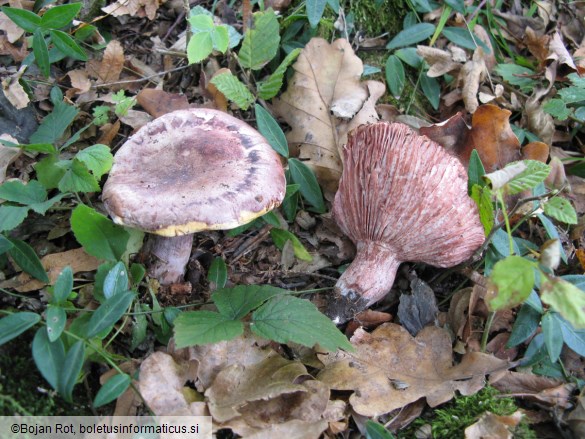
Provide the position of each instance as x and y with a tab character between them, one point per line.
401	197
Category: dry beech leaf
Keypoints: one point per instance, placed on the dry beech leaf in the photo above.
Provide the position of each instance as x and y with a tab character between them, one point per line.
237	385
470	76
324	100
54	263
137	8
391	369
490	425
112	63
440	61
80	82
158	102
7	155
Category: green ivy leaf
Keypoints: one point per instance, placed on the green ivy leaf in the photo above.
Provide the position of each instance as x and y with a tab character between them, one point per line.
26	258
109	313
99	236
203	327
280	237
287	319
561	209
513	279
70	371
565	298
237	302
261	41
233	89
112	389
270	129
41	52
27	20
59	16
217	273
15	324
411	35
270	87
308	185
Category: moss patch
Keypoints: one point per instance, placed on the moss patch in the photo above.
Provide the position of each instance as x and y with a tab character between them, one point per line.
375	17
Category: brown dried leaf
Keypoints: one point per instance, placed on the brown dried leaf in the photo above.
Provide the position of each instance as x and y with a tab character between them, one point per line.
440	61
13	91
540	389
391	369
138	8
576	418
7	155
54	263
12	31
493	426
80	82
159	102
112	62
324	100
538	121
470	76
559	52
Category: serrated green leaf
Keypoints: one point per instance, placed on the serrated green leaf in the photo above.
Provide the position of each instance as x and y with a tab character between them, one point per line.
518	176
27	20
99	236
395	76
112	389
513	278
315	9
67	45
200	47
56	320
26	258
49	171
235	303
411	35
19	192
308	185
557	109
517	75
109	313
220	38
203	327
526	324
15	324
572	95
70	371
217	273
63	286
60	16
270	129
289	319
41	52
116	281
77	178
553	336
280	236
97	158
54	124
260	41
565	298
48	356
201	23
233	89
270	87
561	209
12	216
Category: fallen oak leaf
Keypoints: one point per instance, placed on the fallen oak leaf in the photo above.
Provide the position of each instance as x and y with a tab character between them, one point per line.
491	425
391	369
158	102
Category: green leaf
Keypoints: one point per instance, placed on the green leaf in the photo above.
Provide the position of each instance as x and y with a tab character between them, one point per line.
483	198
203	327
54	124
15	324
201	23
19	192
572	95
517	177
308	185
462	37
287	319
526	324
561	209
97	158
235	303
412	35
409	56
431	89
109	313
70	371
572	337
48	356
553	336
56	319
137	273
565	298
67	45
50	171
5	244
280	236
233	89
139	327
552	233
78	179
220	37
260	41
217	273
112	389
12	216
99	236
377	431
517	75
513	278
60	16
200	46
271	218
315	9
26	258
270	129
395	76
63	286
116	280
557	109
270	87
45	148
23	18
41	52
475	170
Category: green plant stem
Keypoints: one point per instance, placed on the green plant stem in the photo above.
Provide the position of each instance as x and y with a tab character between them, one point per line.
486	330
500	198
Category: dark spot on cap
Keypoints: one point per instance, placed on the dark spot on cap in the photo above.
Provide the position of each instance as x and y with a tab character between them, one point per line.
253	156
259	198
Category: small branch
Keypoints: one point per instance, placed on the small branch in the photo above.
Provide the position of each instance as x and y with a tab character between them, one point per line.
145	78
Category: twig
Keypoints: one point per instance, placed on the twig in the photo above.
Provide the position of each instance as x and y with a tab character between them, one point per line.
145	78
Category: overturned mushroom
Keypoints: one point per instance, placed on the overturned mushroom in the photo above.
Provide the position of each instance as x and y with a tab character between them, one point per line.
401	198
189	171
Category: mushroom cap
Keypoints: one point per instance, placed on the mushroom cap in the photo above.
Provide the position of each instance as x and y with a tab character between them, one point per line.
405	193
193	170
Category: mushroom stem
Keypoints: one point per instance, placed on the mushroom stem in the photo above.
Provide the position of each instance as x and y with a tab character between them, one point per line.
169	256
368	279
